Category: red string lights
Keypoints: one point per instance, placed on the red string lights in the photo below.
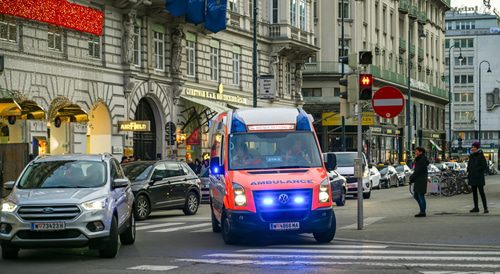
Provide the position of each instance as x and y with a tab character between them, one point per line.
56	12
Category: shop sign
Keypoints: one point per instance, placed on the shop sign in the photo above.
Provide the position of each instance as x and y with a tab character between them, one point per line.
375	130
435	136
219	96
117	150
134	125
389	131
334	119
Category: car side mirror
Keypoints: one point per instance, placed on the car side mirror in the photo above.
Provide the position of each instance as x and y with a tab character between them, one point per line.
215	167
9	185
331	162
120	183
156	178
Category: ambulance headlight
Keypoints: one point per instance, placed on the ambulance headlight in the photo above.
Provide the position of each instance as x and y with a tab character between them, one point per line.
240	198
324	196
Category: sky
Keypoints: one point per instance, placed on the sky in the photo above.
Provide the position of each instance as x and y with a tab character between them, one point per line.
472	3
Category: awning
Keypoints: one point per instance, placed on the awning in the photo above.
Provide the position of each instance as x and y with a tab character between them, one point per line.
434	144
72	113
218	107
23	109
9	107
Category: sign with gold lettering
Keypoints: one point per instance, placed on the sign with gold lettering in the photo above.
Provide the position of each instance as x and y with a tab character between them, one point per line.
219	96
134	125
334	119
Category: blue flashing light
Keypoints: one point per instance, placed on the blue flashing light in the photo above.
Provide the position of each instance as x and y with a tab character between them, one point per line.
268	201
237	124
216	170
303	121
299	200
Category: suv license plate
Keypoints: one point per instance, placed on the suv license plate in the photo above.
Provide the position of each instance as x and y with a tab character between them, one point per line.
47	226
284	226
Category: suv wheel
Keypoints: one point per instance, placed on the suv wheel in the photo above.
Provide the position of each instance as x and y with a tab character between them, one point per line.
9	252
192	204
327	236
142	208
111	247
367	195
128	236
341	201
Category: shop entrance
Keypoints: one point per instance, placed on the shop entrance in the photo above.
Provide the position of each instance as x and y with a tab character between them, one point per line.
99	130
145	142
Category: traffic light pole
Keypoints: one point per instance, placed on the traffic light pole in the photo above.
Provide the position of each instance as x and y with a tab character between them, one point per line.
254	54
342	136
408	105
360	179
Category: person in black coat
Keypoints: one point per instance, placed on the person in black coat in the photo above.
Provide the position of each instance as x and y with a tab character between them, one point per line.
475	175
419	179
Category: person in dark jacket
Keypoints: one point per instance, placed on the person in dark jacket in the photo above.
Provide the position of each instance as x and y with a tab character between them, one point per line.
475	175
419	179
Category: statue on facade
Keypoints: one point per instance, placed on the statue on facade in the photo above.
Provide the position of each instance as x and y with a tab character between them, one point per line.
128	37
177	36
298	81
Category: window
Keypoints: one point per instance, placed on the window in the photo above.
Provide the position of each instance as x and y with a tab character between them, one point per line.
233	5
250	8
159	45
236	66
8	29
302	15
336	92
312	92
466	24
214	61
137	46
466	61
344	9
464	79
347	43
95	46
275	8
464	97
447	43
293	12
384	19
54	36
464	116
191	54
377	17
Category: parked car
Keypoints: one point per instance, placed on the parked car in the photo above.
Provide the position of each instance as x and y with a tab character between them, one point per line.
441	166
432	169
163	185
205	186
388	176
404	173
345	166
375	177
68	201
338	182
453	166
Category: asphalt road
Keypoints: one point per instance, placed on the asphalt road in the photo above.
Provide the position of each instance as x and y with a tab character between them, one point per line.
392	241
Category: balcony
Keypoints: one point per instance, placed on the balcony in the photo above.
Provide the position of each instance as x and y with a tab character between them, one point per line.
402	45
422	17
280	31
404	6
413	11
412	50
235	19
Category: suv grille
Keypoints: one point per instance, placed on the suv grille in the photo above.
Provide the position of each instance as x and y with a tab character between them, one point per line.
296	207
59	212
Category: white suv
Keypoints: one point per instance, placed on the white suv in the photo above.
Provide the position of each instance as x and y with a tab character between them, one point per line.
68	201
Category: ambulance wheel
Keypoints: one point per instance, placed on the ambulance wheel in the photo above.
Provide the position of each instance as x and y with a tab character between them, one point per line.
327	236
215	224
228	234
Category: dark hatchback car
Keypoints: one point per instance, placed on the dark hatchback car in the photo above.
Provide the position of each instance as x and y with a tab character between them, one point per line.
163	185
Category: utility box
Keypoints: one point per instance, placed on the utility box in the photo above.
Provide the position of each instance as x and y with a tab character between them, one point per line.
358	168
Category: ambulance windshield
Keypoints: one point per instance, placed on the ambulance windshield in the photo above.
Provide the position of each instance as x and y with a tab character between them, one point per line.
269	150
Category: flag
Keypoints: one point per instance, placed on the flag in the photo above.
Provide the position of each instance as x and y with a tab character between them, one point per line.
215	20
176	7
194	138
195	11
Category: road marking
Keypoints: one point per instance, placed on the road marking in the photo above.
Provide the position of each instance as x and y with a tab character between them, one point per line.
453	272
141	223
181	228
355	257
329	263
401	252
333	246
153	267
367	221
181	219
157	226
203	230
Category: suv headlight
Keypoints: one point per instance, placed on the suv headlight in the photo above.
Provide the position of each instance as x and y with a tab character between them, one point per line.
240	199
324	197
8	206
96	204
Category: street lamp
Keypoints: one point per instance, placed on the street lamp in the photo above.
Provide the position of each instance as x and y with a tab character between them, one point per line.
460	58
489	71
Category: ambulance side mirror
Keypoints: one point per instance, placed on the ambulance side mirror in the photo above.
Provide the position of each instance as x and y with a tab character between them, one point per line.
215	167
330	161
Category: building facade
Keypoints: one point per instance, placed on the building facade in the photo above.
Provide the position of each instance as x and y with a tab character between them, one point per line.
150	84
394	32
474	36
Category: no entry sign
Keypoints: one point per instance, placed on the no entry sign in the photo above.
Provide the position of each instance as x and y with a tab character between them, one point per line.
388	102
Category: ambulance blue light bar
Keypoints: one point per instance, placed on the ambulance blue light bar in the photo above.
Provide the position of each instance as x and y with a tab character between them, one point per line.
237	124
303	122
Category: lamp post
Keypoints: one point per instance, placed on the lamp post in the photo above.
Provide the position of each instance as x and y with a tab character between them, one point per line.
489	71
460	58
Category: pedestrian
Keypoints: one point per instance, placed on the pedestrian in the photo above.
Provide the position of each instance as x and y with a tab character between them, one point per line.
475	175
124	160
419	180
197	166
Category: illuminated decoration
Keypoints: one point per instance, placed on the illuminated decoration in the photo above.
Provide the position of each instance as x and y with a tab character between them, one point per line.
56	12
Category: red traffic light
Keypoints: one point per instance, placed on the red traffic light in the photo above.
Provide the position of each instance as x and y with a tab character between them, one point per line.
365	80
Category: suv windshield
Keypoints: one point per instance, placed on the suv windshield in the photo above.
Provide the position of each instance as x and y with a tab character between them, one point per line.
266	150
64	174
346	159
137	171
400	169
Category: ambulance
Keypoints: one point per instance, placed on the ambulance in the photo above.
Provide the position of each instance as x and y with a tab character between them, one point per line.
267	175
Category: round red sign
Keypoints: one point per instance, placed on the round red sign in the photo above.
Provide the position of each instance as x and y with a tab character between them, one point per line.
388	102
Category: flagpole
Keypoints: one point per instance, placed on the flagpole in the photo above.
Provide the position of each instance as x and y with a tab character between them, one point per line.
254	70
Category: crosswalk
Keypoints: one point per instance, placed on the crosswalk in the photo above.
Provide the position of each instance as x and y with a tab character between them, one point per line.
190	225
363	256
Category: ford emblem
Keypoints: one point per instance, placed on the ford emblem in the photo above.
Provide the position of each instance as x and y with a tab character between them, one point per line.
48	210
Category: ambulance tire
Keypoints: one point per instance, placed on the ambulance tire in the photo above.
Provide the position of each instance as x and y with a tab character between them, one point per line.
327	236
215	224
228	234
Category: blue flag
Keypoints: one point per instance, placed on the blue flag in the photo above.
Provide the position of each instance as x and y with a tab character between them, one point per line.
195	11
177	7
215	20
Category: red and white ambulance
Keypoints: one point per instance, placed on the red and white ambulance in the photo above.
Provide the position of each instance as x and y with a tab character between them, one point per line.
267	174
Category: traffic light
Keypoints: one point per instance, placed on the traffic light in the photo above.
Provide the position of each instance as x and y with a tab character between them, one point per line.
343	87
365	86
352	88
365	57
351	60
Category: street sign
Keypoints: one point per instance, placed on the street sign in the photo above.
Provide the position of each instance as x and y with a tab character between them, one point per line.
267	87
388	102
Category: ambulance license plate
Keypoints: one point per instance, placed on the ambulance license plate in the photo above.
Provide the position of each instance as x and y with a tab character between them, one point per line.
284	226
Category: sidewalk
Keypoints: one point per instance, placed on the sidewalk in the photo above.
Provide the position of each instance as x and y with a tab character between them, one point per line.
448	220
